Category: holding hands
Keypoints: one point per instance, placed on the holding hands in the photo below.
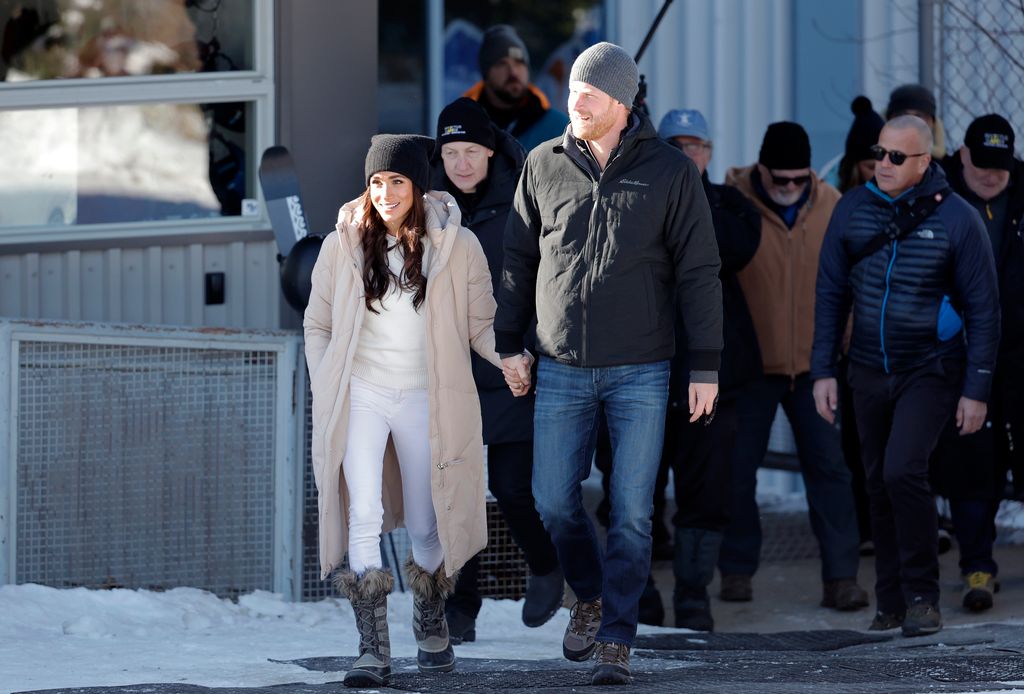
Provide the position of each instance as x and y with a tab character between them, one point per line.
517	372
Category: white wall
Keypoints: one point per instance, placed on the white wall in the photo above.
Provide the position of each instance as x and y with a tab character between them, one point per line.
729	58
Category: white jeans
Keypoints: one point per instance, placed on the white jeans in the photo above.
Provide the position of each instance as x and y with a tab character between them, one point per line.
376	412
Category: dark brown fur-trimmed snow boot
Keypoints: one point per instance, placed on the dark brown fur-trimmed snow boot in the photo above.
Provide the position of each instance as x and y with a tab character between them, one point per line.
369	597
429	591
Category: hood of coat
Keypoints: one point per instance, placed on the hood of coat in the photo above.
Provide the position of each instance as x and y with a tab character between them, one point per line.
443	222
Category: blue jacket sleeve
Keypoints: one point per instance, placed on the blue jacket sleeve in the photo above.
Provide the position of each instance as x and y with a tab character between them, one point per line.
517	293
832	296
976	289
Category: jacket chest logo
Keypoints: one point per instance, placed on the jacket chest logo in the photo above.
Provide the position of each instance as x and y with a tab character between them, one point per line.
924	234
635	183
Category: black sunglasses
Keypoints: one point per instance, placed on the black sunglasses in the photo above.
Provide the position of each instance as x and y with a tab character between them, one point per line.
897	158
786	180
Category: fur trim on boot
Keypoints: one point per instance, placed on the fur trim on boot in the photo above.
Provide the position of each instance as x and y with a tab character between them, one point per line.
369	597
371	584
429	585
429	625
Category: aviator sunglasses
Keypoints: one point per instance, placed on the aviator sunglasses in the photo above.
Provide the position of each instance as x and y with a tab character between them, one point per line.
897	158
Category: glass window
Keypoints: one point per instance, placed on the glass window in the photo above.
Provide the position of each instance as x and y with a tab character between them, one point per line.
554	34
123	163
402	68
54	39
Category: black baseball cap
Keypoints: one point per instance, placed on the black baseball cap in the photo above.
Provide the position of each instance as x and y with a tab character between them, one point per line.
990	140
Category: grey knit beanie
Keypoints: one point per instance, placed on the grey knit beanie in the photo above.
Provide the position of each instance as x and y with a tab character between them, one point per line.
609	68
408	155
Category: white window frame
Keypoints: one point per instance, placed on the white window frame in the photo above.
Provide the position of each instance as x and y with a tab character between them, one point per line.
254	87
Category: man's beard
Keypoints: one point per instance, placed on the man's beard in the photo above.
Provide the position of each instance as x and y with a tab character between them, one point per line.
785	199
595	128
510	93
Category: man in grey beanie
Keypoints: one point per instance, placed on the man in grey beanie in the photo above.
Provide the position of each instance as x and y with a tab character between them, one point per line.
610	232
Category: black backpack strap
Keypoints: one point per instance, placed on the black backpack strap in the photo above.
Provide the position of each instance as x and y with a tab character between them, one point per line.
905	220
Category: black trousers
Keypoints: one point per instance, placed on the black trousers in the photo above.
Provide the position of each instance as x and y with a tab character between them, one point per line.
509	477
899	419
701	460
851	453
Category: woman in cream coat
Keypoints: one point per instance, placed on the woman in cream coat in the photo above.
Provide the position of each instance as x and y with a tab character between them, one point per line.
401	293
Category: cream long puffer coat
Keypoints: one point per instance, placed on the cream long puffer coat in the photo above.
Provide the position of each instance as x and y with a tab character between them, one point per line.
459	315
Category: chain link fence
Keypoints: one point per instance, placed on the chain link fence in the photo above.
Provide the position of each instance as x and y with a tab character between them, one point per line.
976	62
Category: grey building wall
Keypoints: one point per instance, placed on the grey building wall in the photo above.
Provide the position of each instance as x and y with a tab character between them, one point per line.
327	102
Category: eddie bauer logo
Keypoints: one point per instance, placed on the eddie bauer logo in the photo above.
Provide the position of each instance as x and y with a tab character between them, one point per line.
633	182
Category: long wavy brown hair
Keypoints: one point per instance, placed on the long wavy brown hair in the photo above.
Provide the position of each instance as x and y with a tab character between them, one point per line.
377	276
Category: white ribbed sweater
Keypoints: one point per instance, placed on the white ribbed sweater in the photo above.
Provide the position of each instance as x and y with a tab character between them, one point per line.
392	344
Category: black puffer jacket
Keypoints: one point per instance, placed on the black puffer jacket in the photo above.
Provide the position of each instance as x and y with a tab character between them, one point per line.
905	293
738	231
603	257
506	419
1009	257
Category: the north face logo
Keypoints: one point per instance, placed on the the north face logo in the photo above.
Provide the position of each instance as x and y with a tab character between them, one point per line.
924	234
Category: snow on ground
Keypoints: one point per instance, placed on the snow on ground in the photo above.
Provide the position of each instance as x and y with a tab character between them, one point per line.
52	638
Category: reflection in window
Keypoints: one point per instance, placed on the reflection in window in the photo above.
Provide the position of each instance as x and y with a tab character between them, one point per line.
401	71
554	34
52	39
125	163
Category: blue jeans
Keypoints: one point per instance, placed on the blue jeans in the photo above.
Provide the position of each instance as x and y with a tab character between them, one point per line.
568	400
826	478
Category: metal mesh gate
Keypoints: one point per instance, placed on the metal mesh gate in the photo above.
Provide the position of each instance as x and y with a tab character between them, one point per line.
977	63
147	464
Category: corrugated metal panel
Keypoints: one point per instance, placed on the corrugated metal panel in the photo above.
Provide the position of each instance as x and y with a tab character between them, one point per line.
157	285
730	58
889	48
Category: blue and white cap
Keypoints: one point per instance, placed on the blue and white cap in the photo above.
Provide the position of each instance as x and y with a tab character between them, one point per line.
684	122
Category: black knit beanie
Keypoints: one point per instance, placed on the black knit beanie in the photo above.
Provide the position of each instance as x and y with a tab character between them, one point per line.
910	97
464	120
785	146
408	155
500	41
865	130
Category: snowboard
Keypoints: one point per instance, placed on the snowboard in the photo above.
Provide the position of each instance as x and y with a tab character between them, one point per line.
284	203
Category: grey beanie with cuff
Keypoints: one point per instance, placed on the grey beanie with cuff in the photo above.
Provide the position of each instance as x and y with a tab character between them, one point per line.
609	68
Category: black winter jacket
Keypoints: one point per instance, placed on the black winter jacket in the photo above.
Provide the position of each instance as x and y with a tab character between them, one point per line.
1009	257
900	318
738	232
603	259
506	419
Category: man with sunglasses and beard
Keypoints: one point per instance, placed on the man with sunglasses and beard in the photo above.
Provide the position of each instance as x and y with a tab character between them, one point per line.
914	261
512	102
778	283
